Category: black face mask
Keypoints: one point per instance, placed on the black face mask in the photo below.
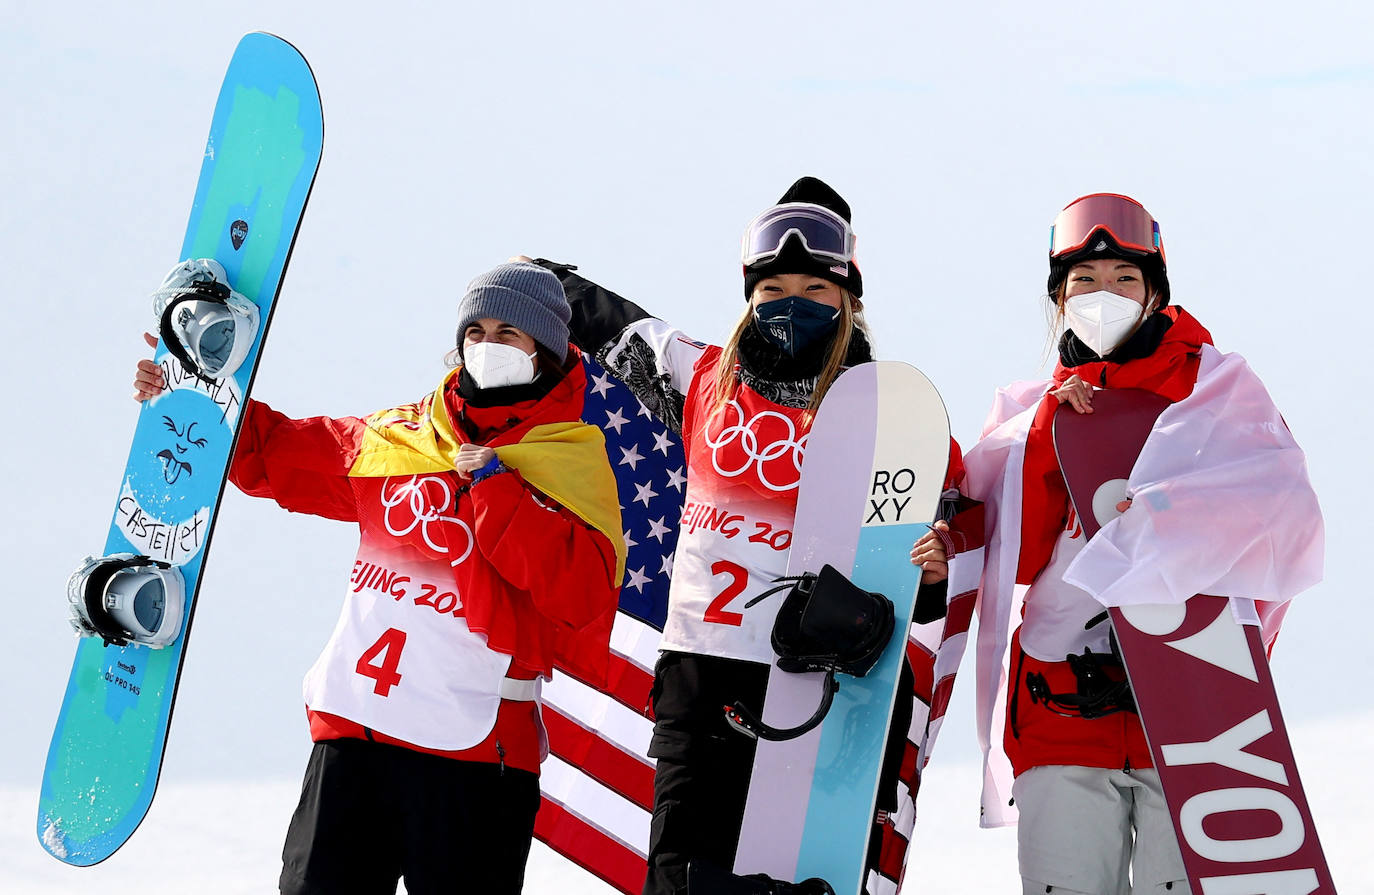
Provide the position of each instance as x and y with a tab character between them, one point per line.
762	358
794	323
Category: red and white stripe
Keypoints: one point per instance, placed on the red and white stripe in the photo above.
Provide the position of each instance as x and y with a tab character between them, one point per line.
597	784
934	651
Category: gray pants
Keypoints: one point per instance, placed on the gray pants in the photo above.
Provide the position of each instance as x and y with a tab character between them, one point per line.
1090	831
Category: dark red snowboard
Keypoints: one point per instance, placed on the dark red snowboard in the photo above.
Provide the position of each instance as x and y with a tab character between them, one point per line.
1202	684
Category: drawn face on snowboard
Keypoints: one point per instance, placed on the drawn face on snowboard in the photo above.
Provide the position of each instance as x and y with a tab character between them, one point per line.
176	460
179	451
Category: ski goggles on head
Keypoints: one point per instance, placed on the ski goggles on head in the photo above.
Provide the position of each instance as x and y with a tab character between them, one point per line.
1125	220
824	234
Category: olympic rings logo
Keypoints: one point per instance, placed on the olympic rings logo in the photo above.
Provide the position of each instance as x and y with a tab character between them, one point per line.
413	496
735	448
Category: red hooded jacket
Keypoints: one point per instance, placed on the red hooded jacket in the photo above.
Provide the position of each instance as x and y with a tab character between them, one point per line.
538	582
1034	734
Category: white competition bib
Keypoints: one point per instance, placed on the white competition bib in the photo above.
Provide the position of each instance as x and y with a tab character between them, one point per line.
723	560
736	527
402	660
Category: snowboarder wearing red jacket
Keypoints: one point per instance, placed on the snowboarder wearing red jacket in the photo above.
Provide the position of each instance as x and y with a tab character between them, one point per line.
1092	812
743	410
490	552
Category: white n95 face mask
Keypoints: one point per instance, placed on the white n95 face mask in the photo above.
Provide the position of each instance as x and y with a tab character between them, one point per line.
493	364
1102	320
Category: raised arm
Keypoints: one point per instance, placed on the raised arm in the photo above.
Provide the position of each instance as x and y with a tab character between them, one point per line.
301	464
653	358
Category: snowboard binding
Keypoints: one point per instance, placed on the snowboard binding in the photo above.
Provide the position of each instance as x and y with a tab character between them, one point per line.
1098	694
825	623
204	323
125	598
705	878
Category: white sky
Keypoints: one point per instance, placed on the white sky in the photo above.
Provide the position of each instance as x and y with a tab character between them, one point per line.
636	141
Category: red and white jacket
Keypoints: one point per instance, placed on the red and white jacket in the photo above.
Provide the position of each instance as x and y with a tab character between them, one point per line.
459	591
743	469
1221	446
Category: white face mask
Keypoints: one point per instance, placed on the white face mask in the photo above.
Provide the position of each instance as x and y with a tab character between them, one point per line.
493	364
1102	320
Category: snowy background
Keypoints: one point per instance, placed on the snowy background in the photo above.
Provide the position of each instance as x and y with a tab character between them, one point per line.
636	140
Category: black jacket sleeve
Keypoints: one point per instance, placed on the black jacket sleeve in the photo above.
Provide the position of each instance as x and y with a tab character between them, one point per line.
652	358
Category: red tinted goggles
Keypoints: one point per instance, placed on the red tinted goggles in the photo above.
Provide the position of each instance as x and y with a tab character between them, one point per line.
1124	219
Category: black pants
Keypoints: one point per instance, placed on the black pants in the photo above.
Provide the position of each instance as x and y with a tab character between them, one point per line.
371	814
701	780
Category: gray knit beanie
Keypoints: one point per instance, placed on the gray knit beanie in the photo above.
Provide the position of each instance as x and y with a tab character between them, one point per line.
524	295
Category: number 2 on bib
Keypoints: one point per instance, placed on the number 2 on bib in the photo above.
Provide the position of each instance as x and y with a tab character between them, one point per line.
389	647
739	580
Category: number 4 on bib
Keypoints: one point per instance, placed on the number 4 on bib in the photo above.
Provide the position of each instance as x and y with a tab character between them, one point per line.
388	647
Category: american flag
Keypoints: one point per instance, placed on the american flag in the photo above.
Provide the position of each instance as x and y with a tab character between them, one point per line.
597	784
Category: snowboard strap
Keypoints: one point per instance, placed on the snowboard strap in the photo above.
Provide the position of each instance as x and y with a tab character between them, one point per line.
202	291
826	624
86	592
1097	695
741	718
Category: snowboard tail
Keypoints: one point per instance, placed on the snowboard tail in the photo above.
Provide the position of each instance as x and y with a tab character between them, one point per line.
260	160
1205	694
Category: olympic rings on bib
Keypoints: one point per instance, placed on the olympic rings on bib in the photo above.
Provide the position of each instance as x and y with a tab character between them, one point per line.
414	495
735	448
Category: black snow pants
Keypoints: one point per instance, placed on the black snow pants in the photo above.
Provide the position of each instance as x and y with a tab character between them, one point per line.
372	813
701	780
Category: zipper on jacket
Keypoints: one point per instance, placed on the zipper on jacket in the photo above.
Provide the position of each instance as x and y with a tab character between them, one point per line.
1125	740
1016	692
501	758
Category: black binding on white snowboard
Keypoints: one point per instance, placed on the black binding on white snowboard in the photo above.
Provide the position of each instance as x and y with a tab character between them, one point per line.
825	623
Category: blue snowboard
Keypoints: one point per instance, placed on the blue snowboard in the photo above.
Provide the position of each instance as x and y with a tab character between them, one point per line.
260	162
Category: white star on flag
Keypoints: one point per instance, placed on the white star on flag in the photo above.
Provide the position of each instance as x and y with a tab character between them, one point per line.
663	441
657	529
603	384
630	457
637	579
644	493
643	411
676	479
629	541
615	420
667	567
